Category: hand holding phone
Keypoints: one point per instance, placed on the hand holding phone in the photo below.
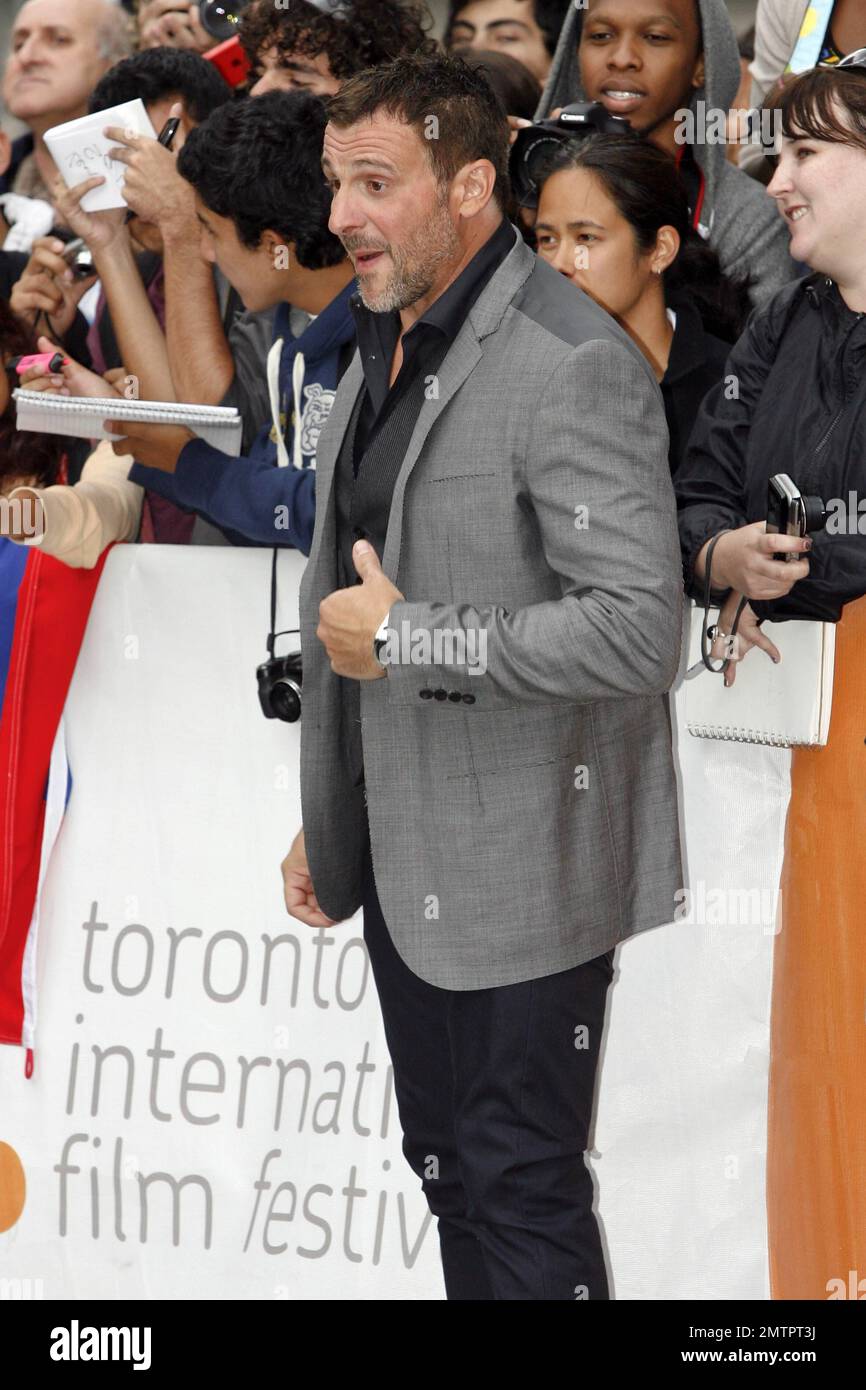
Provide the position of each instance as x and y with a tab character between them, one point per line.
166	139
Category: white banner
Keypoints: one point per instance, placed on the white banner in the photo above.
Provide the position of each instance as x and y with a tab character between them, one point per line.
211	1113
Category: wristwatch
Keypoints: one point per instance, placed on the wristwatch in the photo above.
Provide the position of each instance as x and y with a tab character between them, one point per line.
380	640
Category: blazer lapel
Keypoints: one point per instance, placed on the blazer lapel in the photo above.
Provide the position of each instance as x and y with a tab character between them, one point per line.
462	357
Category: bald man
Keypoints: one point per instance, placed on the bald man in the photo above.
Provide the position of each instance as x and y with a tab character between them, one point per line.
58	51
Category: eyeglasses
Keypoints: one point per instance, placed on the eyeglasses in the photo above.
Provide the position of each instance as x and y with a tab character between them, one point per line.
855	61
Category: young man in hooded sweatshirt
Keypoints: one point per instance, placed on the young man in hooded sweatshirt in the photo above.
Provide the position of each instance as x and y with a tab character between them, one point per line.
263	206
666	66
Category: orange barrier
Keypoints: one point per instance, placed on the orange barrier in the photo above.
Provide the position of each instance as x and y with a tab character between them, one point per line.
816	1141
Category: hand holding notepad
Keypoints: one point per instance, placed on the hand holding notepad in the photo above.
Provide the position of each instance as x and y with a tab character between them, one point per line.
85	418
81	151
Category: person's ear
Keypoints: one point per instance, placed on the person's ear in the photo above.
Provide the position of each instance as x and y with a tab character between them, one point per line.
474	185
698	74
280	253
666	249
5	152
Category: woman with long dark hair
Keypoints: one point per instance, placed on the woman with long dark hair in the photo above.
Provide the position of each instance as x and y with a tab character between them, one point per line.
800	408
613	217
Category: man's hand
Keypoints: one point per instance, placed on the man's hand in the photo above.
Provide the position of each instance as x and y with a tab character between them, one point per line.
301	901
47	286
173	24
747	635
350	618
101	230
153	188
156	446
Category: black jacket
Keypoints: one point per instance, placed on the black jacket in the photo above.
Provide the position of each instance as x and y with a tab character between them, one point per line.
696	363
793	400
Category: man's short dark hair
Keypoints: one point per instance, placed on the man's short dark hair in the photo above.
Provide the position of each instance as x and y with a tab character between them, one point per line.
549	15
364	34
157	73
259	163
469	122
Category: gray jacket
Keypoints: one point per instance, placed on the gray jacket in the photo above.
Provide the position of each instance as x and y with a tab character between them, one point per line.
533	825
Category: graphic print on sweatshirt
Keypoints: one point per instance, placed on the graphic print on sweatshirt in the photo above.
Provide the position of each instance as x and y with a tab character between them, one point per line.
318	402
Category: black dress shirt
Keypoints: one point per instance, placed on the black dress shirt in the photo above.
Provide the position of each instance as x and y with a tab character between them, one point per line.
426	342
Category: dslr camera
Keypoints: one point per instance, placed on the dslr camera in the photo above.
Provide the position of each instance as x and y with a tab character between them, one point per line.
280	681
536	142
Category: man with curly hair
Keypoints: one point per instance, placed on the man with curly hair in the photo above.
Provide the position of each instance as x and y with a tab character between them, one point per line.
317	44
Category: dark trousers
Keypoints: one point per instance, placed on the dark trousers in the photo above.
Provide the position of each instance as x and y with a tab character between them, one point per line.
494	1089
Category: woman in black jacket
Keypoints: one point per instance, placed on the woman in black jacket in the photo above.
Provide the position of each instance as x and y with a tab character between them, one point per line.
613	216
795	402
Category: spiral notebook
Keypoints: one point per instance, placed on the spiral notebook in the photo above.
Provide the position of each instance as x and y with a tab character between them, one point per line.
786	704
83	417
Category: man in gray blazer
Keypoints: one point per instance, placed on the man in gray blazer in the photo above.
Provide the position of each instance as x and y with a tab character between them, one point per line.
490	619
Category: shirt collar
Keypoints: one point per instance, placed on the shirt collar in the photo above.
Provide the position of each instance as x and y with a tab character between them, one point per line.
447	313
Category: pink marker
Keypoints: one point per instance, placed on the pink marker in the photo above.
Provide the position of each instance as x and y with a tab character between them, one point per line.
48	361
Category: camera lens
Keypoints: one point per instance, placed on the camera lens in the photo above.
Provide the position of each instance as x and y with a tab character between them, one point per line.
82	266
286	701
221	19
815	513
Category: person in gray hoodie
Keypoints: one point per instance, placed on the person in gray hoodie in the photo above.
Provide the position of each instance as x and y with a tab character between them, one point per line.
666	66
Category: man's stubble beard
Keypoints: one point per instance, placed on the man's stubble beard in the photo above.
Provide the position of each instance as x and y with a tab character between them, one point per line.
416	264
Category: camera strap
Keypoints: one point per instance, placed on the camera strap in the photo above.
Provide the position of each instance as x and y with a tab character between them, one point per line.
273	634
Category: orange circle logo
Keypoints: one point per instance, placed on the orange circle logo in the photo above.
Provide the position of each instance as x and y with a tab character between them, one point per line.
13	1186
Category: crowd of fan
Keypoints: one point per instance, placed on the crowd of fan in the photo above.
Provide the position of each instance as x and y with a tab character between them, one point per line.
190	300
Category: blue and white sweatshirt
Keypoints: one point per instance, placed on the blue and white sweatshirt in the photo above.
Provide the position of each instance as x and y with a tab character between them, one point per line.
268	496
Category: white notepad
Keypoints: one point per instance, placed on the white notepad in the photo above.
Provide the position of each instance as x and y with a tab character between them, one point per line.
80	151
83	417
786	704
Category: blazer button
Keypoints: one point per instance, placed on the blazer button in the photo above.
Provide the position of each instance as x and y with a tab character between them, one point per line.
440	694
469	699
426	694
358	533
455	697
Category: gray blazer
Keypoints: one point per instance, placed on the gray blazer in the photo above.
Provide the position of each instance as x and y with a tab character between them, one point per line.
534	825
